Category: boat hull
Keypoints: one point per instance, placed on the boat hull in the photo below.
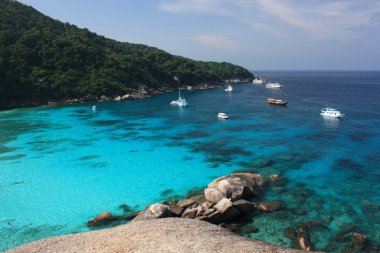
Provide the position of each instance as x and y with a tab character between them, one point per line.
277	102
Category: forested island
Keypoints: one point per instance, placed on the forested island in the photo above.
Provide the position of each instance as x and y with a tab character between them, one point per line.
42	59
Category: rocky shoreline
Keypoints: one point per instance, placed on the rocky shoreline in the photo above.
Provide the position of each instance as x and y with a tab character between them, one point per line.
229	203
141	93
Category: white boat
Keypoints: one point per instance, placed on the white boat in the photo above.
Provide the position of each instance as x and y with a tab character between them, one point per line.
229	88
331	112
273	86
94	108
258	80
181	101
222	115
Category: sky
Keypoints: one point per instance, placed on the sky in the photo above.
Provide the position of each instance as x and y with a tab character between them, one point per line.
256	34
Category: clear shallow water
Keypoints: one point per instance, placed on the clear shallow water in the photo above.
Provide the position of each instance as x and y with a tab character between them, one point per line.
60	166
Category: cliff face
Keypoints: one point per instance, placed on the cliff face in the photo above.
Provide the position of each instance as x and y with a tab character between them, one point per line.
160	235
44	59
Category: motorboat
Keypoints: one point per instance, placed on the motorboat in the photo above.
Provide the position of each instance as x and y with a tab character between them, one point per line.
180	101
331	112
258	80
222	115
273	86
94	108
229	88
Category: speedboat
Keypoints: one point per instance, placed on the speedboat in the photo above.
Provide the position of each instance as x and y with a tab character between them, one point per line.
273	86
222	115
229	88
94	108
331	112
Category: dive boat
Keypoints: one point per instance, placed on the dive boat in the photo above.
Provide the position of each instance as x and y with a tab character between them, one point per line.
257	80
275	101
229	88
222	115
273	86
331	112
181	101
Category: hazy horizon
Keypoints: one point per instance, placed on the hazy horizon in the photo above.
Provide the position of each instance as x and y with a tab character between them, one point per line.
260	34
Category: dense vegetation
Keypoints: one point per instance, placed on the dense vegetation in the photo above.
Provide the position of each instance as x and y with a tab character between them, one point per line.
42	58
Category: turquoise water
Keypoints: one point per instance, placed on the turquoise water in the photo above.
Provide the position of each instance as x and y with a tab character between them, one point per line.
63	165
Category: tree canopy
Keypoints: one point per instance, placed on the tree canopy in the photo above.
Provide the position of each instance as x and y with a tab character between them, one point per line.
42	59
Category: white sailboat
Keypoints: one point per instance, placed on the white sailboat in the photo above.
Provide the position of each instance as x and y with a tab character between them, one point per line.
180	101
229	89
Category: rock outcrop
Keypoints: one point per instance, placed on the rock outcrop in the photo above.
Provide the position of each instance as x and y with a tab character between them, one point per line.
234	186
101	220
155	211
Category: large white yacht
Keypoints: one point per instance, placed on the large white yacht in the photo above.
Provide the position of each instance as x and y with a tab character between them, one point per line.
273	85
331	112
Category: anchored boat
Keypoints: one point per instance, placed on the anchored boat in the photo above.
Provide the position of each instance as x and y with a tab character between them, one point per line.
331	112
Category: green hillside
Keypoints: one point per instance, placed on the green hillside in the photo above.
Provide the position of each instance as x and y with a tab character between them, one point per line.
44	59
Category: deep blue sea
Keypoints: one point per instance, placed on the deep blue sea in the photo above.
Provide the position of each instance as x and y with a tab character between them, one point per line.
62	165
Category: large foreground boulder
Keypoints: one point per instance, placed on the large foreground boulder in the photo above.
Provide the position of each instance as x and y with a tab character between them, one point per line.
234	187
162	235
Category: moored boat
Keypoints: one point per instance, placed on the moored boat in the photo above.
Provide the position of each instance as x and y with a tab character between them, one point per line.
331	112
180	101
222	115
258	80
273	86
229	88
273	101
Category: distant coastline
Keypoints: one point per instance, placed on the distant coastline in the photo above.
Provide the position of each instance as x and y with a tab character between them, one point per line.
142	93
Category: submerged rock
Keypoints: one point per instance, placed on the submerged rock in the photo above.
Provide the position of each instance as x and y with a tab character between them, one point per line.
249	229
269	206
358	240
303	238
102	219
